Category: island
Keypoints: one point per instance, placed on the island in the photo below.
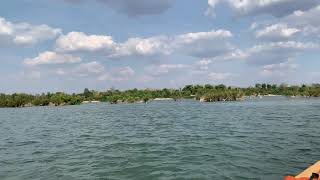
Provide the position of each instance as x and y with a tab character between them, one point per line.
203	93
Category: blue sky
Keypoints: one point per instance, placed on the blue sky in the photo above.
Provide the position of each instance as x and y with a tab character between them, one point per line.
68	45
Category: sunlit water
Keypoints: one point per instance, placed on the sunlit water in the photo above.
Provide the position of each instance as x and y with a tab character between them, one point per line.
256	139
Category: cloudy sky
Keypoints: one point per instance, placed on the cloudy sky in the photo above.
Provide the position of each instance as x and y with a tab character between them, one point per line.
67	45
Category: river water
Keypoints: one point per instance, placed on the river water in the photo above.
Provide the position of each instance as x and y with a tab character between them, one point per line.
253	139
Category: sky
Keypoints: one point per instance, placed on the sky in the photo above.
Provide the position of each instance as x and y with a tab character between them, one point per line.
69	45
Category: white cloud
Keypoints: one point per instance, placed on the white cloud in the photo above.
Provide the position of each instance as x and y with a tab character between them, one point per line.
28	34
199	44
125	72
236	54
204	44
25	33
276	52
49	57
212	4
190	38
307	21
6	28
118	74
219	76
254	25
203	64
143	47
209	44
309	17
60	72
86	69
104	77
157	70
277	8
277	32
298	25
79	41
279	70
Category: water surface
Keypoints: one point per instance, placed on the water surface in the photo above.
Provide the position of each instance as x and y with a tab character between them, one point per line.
255	139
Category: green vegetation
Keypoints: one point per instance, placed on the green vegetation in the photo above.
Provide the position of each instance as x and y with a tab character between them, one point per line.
285	90
206	93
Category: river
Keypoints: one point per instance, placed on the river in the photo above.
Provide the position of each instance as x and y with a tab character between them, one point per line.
255	139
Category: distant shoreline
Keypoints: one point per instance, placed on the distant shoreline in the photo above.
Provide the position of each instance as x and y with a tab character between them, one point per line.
246	98
202	93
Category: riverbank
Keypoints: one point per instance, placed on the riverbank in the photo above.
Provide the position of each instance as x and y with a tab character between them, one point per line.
203	93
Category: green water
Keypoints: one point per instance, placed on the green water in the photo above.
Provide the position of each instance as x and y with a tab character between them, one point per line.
256	139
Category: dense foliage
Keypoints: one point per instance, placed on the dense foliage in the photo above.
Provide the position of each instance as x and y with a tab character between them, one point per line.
286	90
207	93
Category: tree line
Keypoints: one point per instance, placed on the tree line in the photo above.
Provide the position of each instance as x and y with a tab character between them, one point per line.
206	93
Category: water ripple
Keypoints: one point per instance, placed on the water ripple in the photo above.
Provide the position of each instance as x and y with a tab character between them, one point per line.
161	140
